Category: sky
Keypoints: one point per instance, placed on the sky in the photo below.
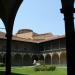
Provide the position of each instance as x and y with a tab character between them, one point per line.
42	16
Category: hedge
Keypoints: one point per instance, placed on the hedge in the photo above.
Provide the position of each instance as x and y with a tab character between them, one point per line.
44	68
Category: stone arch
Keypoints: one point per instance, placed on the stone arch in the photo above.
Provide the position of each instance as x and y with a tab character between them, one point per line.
48	59
63	57
4	58
55	58
17	60
41	59
34	57
12	58
27	61
0	58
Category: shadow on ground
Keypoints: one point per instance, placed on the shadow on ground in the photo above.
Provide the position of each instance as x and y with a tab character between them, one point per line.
3	73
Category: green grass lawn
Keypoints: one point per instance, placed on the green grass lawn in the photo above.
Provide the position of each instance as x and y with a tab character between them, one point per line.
30	71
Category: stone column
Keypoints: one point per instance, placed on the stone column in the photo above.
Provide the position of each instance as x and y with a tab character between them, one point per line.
51	57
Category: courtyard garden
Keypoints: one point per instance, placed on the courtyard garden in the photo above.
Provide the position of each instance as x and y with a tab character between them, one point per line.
30	70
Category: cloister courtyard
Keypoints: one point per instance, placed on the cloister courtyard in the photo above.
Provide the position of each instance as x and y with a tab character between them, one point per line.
28	46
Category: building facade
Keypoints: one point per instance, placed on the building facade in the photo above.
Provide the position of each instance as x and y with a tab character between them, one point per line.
28	46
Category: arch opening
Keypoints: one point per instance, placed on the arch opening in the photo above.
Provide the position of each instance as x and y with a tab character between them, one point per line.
55	58
27	61
17	60
1	59
48	59
4	59
2	26
41	59
34	57
63	59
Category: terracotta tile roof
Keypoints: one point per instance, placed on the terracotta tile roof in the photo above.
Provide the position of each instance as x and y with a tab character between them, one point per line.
22	39
2	36
46	34
52	38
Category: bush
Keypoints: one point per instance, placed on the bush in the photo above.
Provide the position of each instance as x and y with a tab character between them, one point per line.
2	65
52	68
37	68
44	68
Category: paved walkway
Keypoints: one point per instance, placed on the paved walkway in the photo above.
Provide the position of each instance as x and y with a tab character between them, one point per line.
62	67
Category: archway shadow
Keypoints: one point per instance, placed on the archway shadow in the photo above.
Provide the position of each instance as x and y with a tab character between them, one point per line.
3	73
